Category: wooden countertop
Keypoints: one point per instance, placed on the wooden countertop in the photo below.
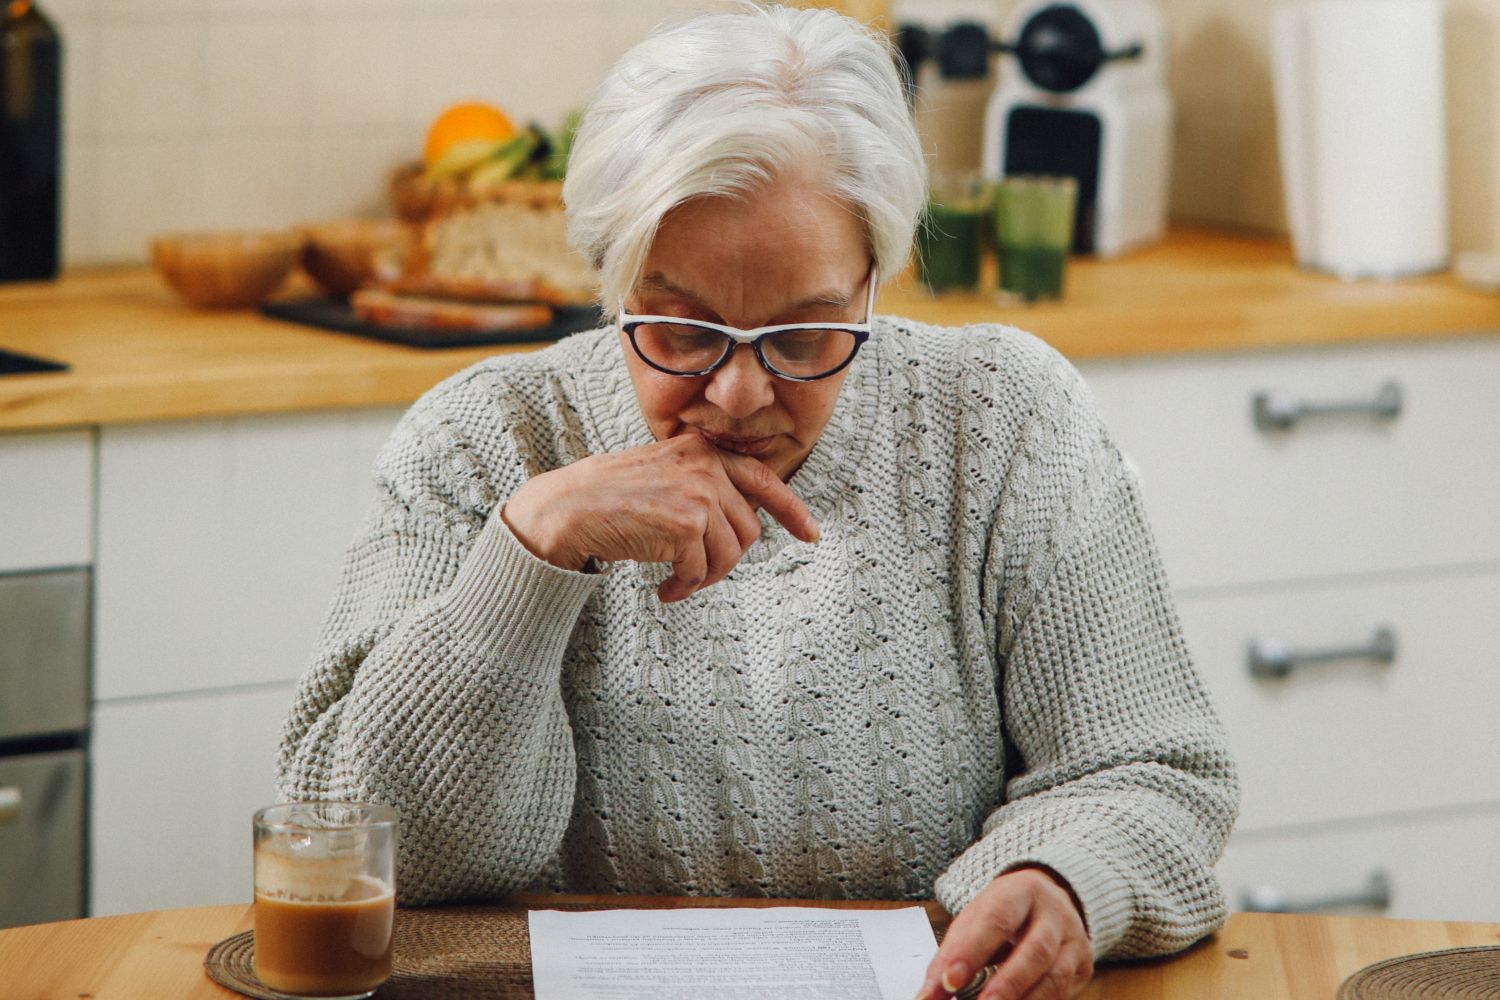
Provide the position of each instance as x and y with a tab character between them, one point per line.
1255	957
139	355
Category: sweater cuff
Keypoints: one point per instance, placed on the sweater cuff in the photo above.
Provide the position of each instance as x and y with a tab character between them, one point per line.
508	602
1108	902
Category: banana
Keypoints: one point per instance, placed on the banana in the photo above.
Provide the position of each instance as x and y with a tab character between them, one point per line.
463	157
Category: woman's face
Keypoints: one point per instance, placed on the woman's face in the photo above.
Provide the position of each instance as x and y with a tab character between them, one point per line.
787	254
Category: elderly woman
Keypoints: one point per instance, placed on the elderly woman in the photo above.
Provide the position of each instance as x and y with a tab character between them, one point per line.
755	593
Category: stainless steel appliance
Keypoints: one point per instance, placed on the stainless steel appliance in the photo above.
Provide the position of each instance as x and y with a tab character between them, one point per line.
44	691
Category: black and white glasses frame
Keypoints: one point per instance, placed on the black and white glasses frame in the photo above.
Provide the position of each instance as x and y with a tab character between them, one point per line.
630	322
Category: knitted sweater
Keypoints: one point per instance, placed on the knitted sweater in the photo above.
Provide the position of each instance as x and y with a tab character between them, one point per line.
978	666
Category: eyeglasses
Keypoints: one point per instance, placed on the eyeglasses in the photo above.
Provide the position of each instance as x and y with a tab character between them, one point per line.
802	352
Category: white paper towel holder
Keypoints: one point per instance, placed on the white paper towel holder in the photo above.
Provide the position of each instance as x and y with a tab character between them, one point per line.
1360	115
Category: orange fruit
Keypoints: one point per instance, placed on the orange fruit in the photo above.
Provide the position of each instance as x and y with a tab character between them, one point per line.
466	122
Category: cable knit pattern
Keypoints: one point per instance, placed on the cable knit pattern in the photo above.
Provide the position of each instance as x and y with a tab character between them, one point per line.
733	744
977	667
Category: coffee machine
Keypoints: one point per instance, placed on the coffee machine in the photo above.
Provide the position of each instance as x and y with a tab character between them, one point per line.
1082	92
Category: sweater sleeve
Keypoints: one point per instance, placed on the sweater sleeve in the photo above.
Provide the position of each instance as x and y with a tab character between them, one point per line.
1124	784
436	683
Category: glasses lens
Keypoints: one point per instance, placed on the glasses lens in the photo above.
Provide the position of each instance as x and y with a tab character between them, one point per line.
679	348
809	353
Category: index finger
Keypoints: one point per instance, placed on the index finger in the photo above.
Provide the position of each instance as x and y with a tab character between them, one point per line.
765	489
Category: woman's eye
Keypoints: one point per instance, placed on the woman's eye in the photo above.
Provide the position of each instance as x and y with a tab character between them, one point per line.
800	343
691	337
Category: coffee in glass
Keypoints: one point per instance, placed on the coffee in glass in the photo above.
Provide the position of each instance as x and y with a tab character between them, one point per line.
325	897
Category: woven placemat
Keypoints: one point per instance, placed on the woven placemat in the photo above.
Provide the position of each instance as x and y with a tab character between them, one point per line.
1454	974
466	953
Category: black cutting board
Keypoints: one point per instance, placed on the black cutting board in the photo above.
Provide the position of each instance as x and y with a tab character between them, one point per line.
12	363
335	314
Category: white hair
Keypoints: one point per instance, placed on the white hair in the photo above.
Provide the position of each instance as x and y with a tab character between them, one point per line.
724	103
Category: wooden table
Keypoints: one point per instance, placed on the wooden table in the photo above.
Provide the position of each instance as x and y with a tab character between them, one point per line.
1256	957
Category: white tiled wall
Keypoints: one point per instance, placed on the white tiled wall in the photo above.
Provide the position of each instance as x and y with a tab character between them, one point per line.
1226	170
191	114
202	114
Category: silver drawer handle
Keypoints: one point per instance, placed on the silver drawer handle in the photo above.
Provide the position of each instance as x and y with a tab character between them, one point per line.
1281	411
10	803
1273	658
1375	894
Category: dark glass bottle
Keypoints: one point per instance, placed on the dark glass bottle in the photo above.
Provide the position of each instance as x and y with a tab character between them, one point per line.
30	130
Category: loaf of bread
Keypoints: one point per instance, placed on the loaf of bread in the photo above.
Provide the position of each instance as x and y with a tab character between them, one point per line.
394	309
497	242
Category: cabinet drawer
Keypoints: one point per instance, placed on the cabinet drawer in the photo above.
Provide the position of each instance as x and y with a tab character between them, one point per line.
46	500
1434	868
1333	494
1357	736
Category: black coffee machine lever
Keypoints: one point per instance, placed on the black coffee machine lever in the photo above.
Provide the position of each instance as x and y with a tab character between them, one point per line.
1059	49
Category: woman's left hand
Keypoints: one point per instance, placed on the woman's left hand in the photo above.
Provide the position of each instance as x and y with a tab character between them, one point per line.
1026	923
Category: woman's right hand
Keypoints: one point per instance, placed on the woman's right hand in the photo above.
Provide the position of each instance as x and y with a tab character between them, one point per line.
680	501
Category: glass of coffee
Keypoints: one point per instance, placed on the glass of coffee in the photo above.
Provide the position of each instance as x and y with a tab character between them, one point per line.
325	897
1033	232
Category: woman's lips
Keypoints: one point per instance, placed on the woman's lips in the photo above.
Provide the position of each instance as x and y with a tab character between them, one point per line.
755	447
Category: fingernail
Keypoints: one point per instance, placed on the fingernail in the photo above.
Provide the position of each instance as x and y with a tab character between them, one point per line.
817	532
955	977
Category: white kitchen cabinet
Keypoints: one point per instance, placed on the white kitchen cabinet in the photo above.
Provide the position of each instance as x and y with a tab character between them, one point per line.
174	783
1314	537
220	542
219	545
46	499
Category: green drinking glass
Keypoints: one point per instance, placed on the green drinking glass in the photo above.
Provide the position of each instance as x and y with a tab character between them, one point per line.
1033	232
949	238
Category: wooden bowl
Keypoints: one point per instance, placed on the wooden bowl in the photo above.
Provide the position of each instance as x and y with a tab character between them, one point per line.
226	270
343	255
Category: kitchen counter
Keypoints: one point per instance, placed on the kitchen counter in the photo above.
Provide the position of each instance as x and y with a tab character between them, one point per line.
137	354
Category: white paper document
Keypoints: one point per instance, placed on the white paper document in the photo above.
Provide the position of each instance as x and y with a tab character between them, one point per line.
730	954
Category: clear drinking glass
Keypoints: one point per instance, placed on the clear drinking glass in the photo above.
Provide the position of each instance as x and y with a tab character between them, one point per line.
325	897
1033	232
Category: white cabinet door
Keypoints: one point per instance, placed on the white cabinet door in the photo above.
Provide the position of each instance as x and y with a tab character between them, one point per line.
46	499
175	782
1438	867
219	545
1334	495
1357	736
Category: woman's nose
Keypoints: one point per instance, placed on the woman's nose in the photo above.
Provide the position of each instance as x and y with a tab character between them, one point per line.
742	386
